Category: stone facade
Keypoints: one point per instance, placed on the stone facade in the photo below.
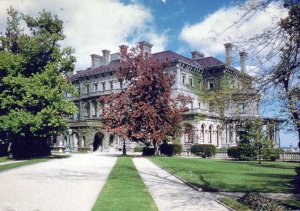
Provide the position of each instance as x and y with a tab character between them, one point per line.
202	124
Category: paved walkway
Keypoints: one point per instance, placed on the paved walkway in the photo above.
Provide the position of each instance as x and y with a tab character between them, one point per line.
170	193
64	184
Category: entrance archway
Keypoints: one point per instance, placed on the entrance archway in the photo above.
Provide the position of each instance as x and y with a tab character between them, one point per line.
98	142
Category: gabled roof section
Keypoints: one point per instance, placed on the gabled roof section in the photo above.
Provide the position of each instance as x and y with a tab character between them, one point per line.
172	56
113	65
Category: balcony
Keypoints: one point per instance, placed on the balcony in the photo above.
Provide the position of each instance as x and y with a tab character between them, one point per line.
99	93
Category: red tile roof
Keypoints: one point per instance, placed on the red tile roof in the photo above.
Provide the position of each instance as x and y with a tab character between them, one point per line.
113	65
209	62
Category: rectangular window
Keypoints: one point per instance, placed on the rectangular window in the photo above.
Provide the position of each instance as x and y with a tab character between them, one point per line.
241	108
103	86
191	82
210	85
183	79
95	87
87	89
111	85
121	84
199	105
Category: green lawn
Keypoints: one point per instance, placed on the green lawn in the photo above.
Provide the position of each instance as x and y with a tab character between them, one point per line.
233	203
4	159
124	190
24	163
224	175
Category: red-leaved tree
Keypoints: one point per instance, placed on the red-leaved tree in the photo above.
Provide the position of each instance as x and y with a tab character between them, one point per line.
145	109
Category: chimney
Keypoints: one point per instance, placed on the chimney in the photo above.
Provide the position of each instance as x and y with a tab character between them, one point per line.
228	53
145	48
96	61
197	55
243	58
106	57
123	49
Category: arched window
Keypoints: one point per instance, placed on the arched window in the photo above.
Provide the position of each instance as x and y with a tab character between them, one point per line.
218	135
210	133
188	134
202	132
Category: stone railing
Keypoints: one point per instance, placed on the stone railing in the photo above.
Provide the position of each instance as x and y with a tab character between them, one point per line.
287	156
290	156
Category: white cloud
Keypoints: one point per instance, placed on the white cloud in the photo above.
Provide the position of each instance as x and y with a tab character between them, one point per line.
93	25
209	35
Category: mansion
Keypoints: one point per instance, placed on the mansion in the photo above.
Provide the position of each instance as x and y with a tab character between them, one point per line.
203	124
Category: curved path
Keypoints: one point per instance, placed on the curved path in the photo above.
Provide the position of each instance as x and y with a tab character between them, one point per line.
64	184
170	193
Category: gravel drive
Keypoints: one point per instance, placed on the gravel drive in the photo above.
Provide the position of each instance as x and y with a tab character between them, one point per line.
63	184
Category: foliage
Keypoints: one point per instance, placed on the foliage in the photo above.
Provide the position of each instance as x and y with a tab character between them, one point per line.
177	149
124	190
203	150
145	109
138	149
234	152
170	149
20	149
257	201
32	87
276	55
148	151
233	176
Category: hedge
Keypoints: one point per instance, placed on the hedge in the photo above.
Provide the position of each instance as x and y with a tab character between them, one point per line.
170	149
138	149
203	150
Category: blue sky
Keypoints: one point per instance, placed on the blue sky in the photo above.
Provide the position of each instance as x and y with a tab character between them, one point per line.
178	25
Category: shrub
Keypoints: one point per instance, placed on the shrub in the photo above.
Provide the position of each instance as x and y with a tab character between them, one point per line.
203	150
147	151
170	149
20	149
177	149
138	149
234	152
166	149
256	201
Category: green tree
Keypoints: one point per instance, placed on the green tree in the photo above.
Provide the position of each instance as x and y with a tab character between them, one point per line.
32	84
276	55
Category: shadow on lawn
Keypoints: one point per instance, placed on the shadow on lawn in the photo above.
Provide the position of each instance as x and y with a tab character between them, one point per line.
296	182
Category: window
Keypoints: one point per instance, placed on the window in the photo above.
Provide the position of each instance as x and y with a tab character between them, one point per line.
183	79
103	86
191	81
210	84
95	87
121	84
199	105
111	85
87	89
241	108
